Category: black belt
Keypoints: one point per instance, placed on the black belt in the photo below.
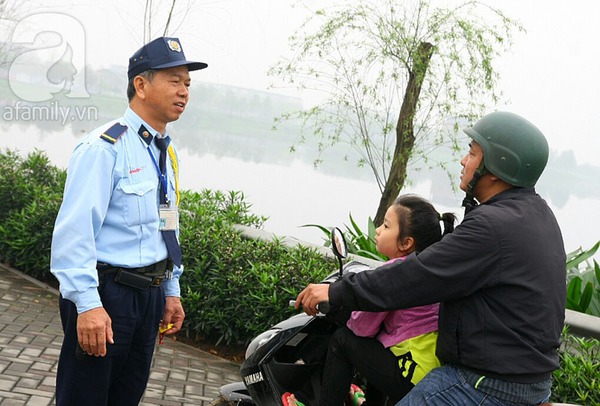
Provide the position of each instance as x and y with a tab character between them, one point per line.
139	278
160	267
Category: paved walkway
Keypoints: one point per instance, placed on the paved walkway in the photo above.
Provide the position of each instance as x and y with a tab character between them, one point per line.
30	339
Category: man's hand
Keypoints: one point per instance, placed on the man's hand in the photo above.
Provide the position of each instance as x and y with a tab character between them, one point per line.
311	296
94	330
174	315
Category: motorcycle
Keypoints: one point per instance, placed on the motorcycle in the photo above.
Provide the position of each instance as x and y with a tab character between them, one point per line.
289	356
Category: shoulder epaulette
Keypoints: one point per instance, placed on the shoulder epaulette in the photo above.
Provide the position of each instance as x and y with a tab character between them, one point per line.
113	134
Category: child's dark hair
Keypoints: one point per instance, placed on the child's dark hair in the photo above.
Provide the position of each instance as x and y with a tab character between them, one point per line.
421	221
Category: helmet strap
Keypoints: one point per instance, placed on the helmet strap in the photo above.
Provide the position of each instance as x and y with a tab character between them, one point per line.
469	202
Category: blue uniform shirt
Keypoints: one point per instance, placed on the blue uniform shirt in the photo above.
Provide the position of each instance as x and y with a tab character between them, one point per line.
109	212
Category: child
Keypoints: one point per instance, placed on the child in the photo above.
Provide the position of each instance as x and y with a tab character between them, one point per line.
391	350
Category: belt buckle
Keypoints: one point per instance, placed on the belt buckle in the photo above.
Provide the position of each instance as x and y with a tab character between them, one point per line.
156	281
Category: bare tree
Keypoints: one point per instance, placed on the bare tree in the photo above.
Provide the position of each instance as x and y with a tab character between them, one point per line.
158	16
10	13
396	76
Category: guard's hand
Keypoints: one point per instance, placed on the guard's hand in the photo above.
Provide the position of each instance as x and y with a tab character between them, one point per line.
173	318
311	296
94	330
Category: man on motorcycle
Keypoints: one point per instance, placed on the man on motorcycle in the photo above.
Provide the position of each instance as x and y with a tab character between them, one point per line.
500	278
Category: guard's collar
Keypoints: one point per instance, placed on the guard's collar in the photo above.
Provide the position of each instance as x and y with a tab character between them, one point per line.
145	135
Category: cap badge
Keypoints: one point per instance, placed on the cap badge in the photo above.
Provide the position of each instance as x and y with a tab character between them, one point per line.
174	45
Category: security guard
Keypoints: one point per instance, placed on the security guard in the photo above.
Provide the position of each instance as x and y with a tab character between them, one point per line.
115	250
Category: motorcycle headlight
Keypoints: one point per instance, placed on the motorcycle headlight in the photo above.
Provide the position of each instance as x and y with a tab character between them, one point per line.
259	341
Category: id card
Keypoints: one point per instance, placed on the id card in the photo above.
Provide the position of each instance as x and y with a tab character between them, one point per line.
169	218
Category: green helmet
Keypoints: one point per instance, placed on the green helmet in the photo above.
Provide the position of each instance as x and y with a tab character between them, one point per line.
514	150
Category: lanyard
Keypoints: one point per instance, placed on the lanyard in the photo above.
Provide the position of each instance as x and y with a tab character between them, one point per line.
145	136
161	176
175	166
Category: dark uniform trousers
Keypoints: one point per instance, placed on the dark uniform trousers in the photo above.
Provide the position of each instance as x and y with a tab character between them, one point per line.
119	378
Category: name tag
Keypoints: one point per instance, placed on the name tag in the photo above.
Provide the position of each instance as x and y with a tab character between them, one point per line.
169	218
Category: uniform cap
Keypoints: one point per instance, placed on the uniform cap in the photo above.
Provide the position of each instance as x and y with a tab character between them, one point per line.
161	53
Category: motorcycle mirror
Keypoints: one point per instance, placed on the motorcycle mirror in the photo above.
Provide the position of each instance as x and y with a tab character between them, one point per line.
339	246
338	243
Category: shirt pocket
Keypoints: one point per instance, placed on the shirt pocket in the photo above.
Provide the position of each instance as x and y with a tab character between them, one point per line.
140	205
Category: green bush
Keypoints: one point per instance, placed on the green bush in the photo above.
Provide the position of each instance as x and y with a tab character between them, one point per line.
26	235
583	281
234	288
577	381
31	191
25	179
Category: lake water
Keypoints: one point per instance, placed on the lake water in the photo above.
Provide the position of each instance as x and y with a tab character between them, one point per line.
295	194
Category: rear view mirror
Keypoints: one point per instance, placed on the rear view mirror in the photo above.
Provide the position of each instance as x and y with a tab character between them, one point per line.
339	246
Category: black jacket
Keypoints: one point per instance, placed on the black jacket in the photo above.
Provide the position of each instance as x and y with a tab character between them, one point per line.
501	280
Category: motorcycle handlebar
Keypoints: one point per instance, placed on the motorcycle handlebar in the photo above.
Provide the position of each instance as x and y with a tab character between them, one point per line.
323	307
